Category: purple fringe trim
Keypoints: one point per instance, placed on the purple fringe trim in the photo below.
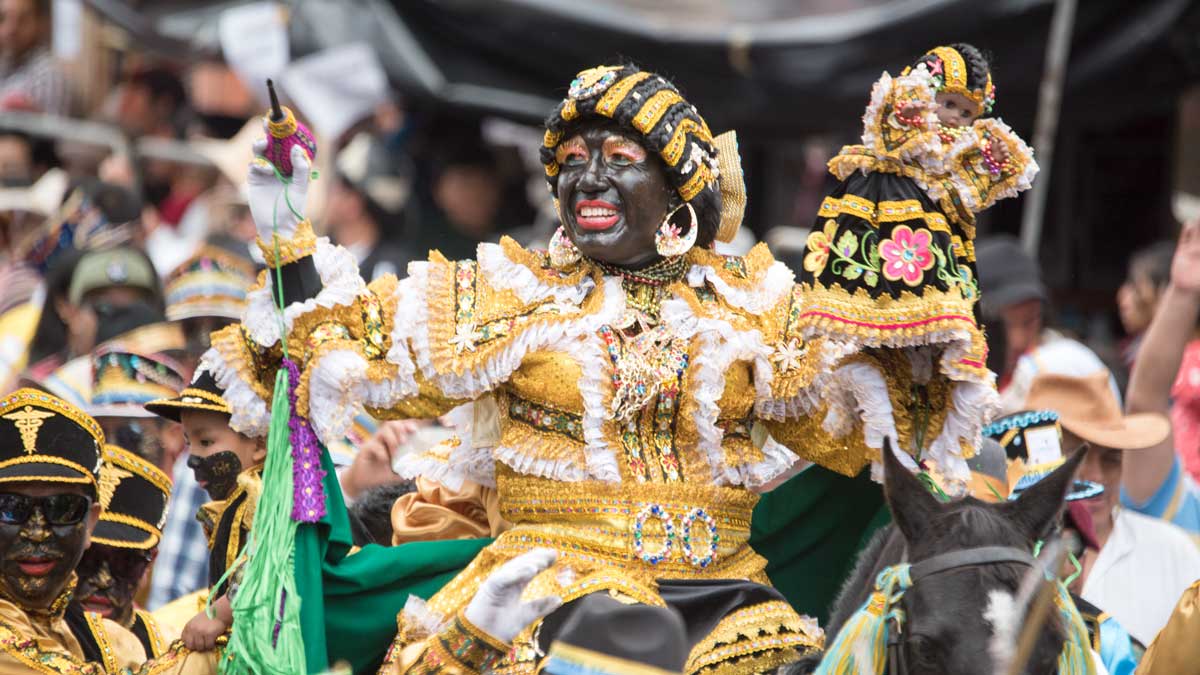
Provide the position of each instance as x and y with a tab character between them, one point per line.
308	499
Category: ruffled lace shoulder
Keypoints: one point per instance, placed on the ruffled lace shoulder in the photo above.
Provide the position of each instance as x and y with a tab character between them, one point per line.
891	141
470	323
753	283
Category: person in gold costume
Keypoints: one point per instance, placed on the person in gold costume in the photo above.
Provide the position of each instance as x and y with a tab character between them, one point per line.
629	390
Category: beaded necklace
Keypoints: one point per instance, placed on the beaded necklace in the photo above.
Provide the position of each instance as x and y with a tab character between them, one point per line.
645	289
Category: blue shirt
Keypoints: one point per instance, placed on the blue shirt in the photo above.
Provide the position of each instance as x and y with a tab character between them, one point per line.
1177	500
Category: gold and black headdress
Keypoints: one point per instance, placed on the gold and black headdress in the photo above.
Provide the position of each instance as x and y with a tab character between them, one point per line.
133	495
705	171
43	438
952	74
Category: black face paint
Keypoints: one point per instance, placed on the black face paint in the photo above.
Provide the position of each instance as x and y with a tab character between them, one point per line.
638	190
217	473
38	558
108	580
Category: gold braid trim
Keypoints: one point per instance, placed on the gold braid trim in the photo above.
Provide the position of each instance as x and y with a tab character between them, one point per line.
169	660
763	630
86	479
152	532
858	158
95	624
301	245
742	272
26	652
538	262
158	645
128	460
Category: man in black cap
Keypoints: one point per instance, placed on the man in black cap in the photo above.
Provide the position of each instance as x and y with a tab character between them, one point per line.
49	477
1012	295
133	496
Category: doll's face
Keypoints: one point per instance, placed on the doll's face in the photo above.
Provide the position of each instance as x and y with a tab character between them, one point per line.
612	196
956	110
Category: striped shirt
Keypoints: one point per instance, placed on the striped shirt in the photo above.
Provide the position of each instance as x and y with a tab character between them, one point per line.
38	82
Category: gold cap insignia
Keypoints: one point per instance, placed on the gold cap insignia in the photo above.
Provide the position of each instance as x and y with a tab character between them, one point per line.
111	476
28	421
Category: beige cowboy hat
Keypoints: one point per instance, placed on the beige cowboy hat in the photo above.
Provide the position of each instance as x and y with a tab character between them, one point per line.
1088	408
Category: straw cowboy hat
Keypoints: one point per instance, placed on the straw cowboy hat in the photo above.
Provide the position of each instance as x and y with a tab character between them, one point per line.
1088	409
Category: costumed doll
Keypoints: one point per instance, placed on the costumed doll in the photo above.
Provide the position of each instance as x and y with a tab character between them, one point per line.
627	391
890	260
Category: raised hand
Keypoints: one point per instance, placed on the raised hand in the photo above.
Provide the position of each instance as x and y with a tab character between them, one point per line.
277	203
1185	266
497	608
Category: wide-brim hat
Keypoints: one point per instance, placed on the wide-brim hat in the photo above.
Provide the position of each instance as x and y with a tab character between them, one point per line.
133	495
72	382
123	382
603	636
1031	441
44	438
212	283
1087	407
202	394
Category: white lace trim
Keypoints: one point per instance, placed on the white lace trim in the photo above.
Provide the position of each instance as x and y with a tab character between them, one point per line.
918	79
496	371
340	286
505	273
249	416
807	400
973	405
720	345
465	463
776	283
338	388
524	460
420	619
595	387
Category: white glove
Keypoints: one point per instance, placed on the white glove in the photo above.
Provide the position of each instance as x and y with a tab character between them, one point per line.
270	198
497	608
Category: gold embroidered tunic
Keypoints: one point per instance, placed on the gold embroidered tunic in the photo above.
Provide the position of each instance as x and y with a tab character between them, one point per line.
43	643
634	456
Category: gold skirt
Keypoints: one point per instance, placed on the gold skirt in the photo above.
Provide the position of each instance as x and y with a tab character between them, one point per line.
622	539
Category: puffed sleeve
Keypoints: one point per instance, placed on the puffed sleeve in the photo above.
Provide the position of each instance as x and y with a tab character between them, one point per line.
1176	649
458	649
979	178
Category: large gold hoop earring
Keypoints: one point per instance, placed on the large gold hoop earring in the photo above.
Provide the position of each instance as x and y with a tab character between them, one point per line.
669	241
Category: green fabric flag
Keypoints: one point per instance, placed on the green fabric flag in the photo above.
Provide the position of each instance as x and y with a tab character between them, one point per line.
349	602
810	530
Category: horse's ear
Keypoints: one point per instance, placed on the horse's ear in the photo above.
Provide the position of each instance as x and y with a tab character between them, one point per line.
911	504
1037	510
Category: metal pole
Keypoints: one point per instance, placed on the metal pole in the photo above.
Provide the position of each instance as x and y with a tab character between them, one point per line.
1058	49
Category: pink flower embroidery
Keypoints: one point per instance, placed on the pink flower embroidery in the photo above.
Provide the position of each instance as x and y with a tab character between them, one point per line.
906	255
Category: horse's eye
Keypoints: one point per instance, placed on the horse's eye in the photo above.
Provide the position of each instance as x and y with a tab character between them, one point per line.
923	652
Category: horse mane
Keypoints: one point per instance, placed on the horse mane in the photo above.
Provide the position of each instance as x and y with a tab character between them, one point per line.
885	548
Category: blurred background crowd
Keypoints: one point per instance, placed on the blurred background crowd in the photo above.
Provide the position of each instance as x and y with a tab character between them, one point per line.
126	130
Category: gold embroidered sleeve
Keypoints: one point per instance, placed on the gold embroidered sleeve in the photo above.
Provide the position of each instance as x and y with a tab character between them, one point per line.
988	179
179	660
892	403
459	649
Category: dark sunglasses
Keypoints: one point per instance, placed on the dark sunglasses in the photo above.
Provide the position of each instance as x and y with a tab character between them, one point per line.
122	563
66	509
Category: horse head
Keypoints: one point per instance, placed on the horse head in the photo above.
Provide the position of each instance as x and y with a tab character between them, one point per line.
951	616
